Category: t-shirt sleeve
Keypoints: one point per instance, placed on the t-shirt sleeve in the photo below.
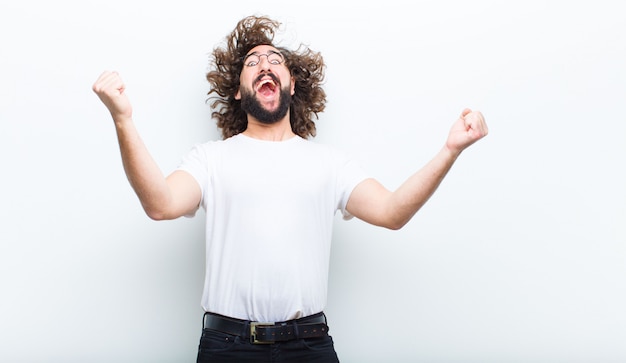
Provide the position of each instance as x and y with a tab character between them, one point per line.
195	162
350	174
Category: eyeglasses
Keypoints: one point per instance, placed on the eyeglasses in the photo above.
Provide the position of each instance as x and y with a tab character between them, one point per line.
274	58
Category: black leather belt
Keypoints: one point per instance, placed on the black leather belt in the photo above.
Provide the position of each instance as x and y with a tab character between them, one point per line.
313	326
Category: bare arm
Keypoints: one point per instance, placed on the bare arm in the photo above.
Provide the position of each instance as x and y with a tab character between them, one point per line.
373	203
161	198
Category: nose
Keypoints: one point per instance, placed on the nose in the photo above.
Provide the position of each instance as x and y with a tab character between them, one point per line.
264	62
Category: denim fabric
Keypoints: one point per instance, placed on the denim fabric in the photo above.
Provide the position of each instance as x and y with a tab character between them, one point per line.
218	347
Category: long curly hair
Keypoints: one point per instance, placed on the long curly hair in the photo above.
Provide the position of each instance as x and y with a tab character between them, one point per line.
306	67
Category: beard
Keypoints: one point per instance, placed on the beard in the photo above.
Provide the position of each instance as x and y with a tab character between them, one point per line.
253	107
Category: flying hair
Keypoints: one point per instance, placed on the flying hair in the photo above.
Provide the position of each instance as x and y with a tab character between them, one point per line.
305	65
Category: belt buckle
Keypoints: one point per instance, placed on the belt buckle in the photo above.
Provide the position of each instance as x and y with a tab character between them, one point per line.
253	332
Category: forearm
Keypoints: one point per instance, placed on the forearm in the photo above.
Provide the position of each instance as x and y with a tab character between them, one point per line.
142	172
417	189
371	202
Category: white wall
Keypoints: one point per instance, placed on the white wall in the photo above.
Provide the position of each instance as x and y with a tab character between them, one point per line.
519	257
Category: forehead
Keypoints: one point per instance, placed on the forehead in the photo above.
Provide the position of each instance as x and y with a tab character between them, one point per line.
262	49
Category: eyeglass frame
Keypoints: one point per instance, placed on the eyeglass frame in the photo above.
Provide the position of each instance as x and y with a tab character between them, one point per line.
267	55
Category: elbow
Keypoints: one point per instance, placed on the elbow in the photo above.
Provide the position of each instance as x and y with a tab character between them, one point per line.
156	214
390	221
397	221
395	225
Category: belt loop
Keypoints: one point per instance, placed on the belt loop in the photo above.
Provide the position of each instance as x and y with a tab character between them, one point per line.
246	333
296	331
204	319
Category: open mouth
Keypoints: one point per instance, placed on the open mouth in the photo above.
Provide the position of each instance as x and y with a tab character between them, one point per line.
266	86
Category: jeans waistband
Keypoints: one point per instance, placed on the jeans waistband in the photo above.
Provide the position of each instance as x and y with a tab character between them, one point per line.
268	332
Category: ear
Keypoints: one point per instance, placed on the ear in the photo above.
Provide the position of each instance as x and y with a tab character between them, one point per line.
293	86
238	94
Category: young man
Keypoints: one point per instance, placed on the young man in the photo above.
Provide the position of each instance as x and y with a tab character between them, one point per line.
270	196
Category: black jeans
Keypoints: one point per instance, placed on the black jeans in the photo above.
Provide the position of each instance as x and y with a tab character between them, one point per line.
218	347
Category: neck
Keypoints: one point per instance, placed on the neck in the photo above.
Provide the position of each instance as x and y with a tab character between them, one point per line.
279	131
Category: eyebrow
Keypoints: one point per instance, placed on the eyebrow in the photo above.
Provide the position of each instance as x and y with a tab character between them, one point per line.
268	52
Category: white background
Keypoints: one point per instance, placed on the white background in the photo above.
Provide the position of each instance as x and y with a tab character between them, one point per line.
519	257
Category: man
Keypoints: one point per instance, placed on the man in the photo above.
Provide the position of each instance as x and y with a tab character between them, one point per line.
270	196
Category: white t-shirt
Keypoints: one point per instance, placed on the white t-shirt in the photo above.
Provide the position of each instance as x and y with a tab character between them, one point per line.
269	213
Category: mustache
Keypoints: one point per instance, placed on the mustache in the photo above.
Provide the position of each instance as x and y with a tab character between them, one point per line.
271	75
